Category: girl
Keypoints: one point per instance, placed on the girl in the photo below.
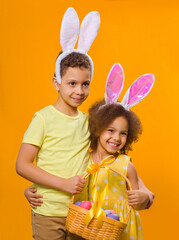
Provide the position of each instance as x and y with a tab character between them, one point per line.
113	128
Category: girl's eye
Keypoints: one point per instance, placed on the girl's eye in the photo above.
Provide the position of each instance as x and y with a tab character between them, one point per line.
110	130
124	133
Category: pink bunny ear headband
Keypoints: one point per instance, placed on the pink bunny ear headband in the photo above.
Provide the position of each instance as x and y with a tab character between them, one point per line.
137	91
70	31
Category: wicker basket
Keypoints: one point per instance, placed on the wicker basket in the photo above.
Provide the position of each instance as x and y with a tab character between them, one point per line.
111	229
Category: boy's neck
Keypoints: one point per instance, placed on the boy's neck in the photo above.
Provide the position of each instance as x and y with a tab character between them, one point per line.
67	110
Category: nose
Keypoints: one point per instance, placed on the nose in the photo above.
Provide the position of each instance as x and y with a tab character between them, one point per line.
116	137
79	90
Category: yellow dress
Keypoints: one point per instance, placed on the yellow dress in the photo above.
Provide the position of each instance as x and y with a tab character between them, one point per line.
116	197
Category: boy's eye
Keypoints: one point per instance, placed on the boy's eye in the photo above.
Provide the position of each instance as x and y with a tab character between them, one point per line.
72	83
86	84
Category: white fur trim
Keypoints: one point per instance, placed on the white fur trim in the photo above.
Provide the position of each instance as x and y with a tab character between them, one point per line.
69	35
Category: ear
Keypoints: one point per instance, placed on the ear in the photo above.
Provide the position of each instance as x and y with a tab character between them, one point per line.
88	31
114	84
69	29
138	90
55	84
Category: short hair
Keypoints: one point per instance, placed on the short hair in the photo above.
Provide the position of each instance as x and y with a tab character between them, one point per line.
74	59
101	115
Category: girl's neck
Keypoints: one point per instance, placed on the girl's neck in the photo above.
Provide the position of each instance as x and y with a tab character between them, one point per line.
98	156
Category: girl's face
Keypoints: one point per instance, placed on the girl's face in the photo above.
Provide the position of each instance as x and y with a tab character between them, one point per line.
114	137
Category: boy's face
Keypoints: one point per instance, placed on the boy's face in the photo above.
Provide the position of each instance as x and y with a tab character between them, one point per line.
74	88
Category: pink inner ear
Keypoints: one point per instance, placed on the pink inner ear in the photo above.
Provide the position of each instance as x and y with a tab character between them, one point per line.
115	83
140	88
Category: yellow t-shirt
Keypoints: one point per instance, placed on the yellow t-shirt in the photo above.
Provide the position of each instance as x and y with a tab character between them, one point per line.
64	144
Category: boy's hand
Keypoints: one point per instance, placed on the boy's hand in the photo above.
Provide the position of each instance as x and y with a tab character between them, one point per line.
32	197
74	185
138	199
151	199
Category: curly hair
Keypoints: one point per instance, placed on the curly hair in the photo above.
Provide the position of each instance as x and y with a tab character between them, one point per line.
74	59
101	115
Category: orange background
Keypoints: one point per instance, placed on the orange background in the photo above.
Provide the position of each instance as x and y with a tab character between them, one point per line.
141	35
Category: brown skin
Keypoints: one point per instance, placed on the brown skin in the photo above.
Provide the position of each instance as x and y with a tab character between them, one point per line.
99	120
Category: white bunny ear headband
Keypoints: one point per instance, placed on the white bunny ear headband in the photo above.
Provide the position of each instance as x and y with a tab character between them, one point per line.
137	91
70	31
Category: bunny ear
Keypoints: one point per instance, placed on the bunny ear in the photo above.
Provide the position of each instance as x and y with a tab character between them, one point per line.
138	90
69	29
88	31
114	84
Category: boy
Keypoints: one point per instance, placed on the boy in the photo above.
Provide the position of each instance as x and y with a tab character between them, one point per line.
58	138
58	134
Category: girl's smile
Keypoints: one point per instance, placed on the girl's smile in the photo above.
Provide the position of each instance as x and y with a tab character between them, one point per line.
114	137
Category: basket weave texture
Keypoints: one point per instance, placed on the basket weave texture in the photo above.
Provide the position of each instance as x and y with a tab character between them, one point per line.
110	230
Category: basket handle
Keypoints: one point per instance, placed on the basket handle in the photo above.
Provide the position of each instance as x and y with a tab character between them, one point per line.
127	180
130	187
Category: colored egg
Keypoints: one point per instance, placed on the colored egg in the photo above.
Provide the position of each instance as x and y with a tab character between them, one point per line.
86	205
114	216
113	212
107	212
78	203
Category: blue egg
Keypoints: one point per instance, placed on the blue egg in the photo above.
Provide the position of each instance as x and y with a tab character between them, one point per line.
114	216
78	203
107	212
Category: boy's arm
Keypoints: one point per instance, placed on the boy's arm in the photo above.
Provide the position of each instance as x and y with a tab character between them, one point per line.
28	170
142	187
138	199
33	198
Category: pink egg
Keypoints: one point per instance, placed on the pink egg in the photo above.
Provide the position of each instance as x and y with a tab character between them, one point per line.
86	205
113	212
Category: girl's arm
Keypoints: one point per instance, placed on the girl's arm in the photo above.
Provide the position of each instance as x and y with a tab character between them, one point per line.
138	199
27	169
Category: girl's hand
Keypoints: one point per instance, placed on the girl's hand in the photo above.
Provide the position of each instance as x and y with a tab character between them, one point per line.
32	197
138	199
